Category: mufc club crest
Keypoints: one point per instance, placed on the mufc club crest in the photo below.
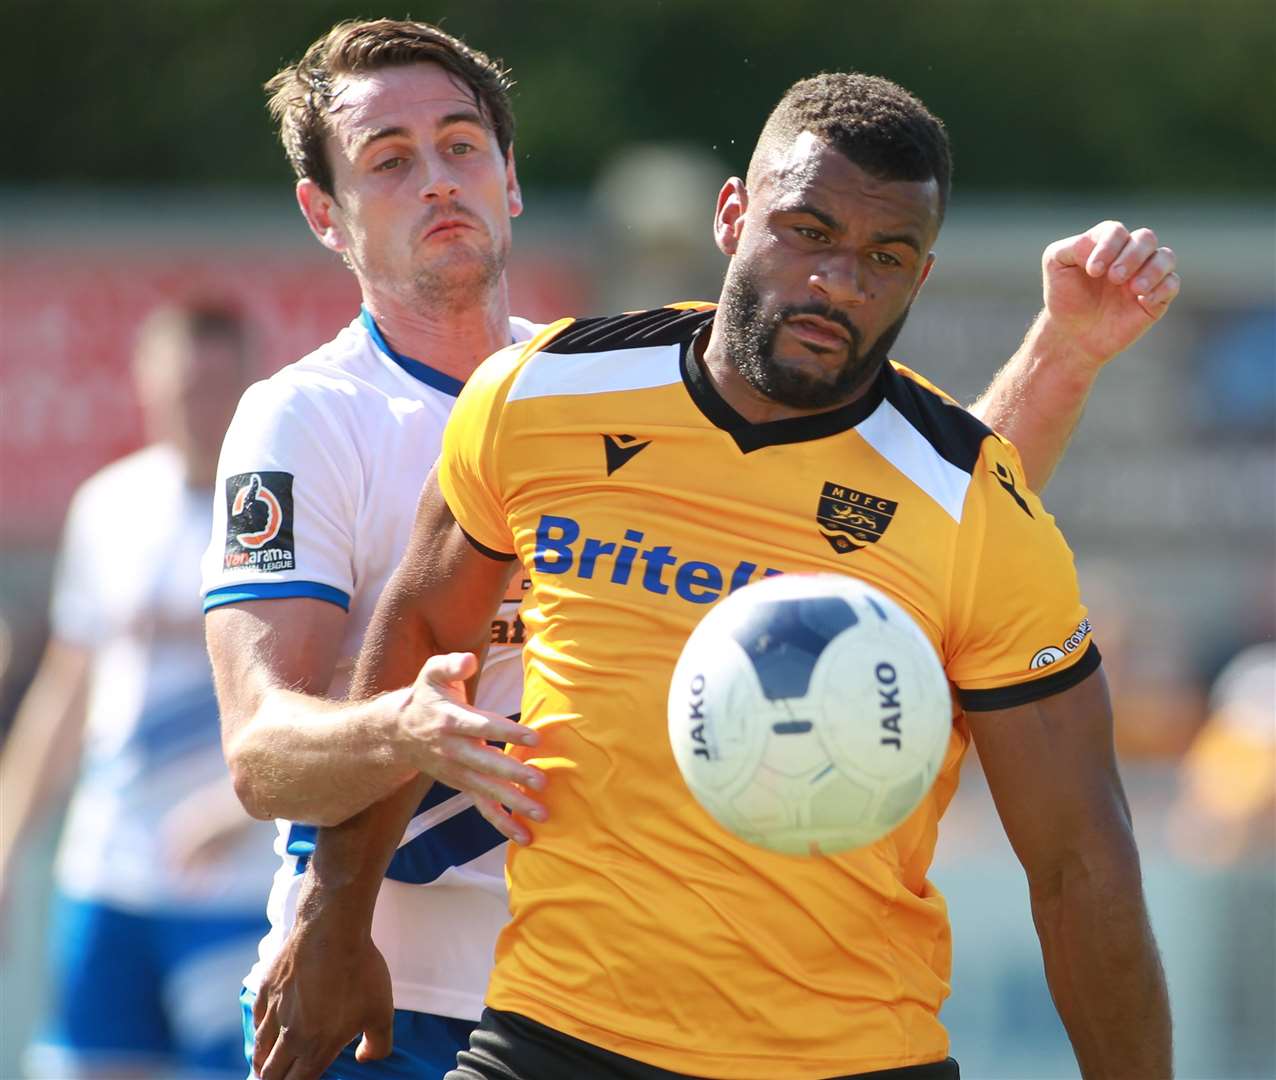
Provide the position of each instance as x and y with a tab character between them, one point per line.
852	518
259	522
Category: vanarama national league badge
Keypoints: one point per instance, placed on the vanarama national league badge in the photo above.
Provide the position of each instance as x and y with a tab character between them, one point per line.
259	522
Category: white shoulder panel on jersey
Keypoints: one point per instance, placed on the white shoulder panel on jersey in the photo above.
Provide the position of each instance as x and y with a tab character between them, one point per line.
891	435
550	374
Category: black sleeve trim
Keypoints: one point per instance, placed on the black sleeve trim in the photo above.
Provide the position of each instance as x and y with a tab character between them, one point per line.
1008	697
483	549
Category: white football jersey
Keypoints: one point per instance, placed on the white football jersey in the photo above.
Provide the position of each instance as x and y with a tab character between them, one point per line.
317	491
126	589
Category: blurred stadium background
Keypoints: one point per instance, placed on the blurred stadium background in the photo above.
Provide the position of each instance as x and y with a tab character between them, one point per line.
140	165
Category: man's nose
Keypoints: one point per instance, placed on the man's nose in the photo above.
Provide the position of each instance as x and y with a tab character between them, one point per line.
440	183
838	281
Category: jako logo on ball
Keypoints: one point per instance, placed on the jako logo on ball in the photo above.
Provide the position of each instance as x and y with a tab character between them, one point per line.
809	713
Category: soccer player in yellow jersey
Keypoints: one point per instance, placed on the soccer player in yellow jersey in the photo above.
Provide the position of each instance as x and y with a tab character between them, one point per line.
641	467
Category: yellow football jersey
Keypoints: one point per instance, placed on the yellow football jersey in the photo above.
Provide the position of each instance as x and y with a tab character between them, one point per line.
600	455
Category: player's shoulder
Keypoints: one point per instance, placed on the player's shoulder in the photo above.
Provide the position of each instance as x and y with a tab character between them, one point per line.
334	368
154	473
155	464
327	386
986	464
951	431
673	324
580	356
283	402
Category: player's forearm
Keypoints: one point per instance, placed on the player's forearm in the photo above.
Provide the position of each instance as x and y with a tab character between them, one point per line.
339	894
308	759
398	642
351	858
1103	967
26	787
1037	399
42	751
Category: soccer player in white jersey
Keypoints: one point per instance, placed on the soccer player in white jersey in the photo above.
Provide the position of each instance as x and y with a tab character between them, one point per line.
401	137
160	874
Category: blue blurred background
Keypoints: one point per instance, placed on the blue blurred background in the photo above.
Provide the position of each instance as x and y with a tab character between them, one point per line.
140	165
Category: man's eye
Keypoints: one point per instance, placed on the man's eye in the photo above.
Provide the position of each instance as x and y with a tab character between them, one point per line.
885	258
388	164
461	148
809	233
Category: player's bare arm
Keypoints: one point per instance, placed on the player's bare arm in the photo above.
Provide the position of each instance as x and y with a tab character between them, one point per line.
1052	771
41	752
296	755
329	983
292	753
1103	290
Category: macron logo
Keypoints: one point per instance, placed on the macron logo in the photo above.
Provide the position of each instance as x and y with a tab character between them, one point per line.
620	448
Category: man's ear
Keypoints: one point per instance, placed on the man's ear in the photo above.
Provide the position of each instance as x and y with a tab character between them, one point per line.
322	214
728	218
930	265
513	193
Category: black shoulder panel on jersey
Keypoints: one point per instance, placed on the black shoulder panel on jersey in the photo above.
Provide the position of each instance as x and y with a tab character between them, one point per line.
635	330
950	429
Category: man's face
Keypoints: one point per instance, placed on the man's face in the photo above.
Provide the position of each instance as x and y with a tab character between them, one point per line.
423	195
826	260
188	388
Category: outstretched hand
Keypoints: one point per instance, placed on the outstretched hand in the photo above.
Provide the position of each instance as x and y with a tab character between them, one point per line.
1106	287
327	986
448	740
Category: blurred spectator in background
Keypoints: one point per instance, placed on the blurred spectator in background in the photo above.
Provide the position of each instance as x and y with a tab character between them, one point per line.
1223	823
651	200
1157	692
1225	812
160	875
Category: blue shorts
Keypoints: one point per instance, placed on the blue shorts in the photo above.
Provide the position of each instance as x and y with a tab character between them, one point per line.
425	1047
144	992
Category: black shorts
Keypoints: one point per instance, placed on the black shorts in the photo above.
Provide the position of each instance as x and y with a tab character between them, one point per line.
506	1046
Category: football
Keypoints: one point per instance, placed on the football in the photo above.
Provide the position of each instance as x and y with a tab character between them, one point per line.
809	713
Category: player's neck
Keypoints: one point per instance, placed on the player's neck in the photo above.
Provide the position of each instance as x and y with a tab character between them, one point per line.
198	464
454	341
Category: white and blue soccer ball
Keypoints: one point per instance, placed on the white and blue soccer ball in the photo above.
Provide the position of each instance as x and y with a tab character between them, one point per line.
809	713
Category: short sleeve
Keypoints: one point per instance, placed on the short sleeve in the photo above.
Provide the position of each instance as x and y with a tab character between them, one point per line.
1019	630
286	499
76	608
469	468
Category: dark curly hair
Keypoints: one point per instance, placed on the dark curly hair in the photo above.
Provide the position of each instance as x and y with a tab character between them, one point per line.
872	121
300	96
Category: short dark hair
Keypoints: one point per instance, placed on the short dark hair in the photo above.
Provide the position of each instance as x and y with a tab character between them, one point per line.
872	121
200	318
194	319
300	96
